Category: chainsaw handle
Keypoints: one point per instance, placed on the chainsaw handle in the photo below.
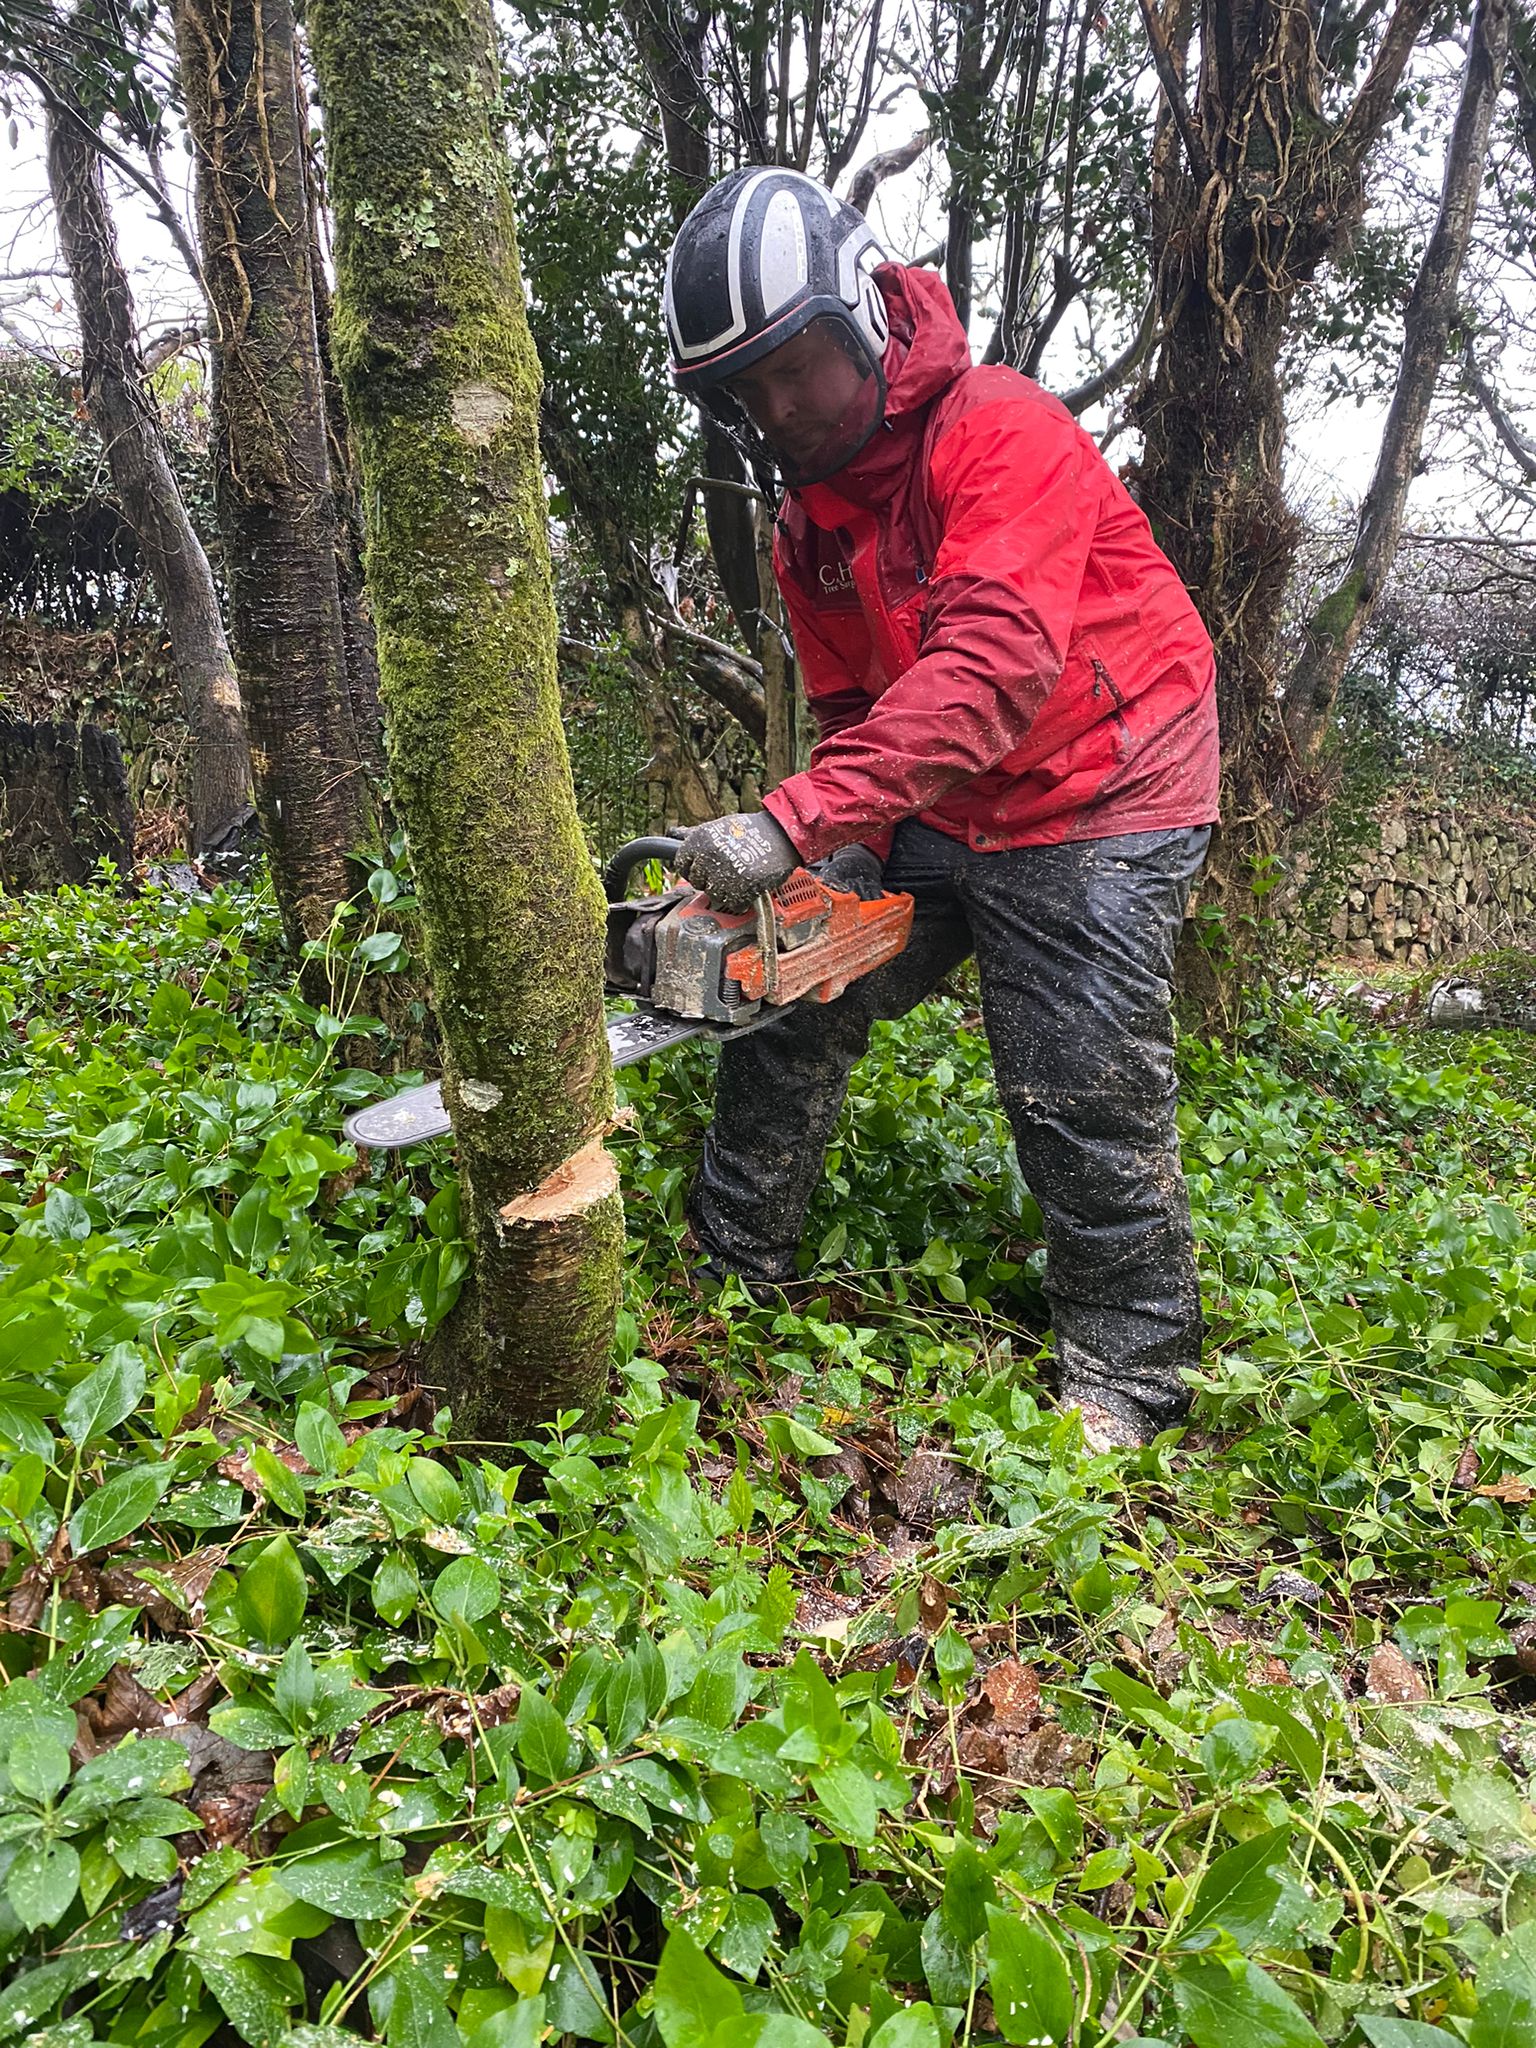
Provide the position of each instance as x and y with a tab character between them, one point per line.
630	856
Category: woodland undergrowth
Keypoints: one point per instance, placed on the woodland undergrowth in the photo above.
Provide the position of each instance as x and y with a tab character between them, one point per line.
828	1690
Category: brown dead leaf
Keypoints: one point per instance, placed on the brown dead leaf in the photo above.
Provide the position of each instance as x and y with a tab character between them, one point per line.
1515	1493
236	1465
825	1613
1013	1691
1049	1756
1390	1677
124	1707
461	1715
932	1605
227	1816
885	1561
932	1490
849	1464
1467	1466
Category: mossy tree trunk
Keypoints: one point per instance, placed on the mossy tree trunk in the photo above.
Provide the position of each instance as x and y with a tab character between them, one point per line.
1253	187
125	416
272	476
441	380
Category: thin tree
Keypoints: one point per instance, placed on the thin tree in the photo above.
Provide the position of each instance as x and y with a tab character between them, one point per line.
441	383
1335	627
272	478
125	415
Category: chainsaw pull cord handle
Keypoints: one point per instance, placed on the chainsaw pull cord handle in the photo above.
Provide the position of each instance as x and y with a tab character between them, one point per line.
768	945
631	856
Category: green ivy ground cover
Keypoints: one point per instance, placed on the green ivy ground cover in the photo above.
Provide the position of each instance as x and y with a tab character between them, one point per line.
830	1693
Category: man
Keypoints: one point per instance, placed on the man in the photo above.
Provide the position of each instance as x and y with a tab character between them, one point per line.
1016	704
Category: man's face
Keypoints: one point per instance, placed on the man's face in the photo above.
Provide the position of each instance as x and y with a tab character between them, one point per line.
811	400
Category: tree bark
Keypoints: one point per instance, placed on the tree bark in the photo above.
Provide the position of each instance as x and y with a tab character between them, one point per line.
1252	189
441	382
1334	629
124	415
272	476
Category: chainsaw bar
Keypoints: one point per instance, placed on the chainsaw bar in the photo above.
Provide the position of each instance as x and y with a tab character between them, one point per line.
417	1114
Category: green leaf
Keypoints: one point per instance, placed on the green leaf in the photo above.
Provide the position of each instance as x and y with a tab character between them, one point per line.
281	1485
65	1217
515	2026
349	1881
1238	2007
1032	1995
255	1993
1240	1891
523	1959
968	1891
396	1589
38	1763
746	1935
273	1593
437	1492
250	1725
770	2030
690	1996
1384	2032
105	1397
115	1510
624	1702
42	1882
418	2013
318	1436
915	2026
1506	1992
544	1742
1234	1750
846	1798
466	1590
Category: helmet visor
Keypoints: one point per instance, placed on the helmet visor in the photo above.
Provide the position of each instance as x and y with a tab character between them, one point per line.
813	403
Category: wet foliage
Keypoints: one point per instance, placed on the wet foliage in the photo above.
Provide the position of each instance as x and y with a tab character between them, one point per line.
826	1690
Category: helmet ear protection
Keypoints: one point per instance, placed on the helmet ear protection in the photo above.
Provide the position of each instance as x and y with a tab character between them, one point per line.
764	254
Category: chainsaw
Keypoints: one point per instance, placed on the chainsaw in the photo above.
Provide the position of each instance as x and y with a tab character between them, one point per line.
691	971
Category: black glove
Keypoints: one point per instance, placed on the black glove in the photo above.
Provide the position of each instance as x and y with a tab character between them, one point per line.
855	869
734	859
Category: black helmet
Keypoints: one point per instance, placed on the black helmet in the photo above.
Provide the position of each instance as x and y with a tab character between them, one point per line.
763	255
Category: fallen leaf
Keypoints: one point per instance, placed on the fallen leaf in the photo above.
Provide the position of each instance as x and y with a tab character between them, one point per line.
1013	1691
1518	1493
932	1605
933	1489
819	1613
1391	1678
1465	1475
1049	1756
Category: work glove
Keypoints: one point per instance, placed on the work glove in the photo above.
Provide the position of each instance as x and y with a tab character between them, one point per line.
854	869
734	859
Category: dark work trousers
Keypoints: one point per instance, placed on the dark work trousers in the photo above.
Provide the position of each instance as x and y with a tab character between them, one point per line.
1074	945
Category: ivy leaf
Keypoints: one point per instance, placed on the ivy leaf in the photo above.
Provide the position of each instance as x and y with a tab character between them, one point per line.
847	1800
42	1882
418	2015
349	1881
1240	1891
105	1397
115	1510
466	1590
436	1491
1506	1992
1385	2032
1032	1994
690	1997
915	2026
523	1960
544	1742
1241	2008
396	1589
256	1993
746	1935
65	1217
273	1593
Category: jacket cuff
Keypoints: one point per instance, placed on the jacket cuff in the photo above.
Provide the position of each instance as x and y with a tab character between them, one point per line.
793	806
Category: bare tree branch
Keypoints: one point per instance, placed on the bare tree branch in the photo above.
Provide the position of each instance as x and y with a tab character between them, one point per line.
1177	101
1481	385
1373	103
888	164
1114	373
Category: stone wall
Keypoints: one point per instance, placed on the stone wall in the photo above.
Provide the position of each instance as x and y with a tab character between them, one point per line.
1438	879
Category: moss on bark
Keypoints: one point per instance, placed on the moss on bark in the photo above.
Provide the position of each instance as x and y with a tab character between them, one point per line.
441	381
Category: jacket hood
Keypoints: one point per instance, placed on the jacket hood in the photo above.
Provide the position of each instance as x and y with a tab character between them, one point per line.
927	351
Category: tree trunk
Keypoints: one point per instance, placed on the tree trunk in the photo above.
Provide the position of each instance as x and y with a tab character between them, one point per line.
1253	187
125	417
272	474
1334	630
442	388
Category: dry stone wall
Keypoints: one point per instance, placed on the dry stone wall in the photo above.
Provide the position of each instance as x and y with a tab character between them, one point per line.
1437	880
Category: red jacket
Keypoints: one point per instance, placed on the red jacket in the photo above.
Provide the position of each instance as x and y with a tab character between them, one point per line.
990	638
